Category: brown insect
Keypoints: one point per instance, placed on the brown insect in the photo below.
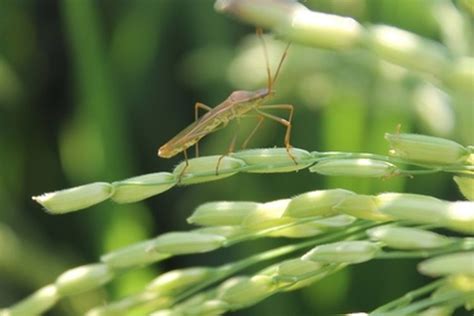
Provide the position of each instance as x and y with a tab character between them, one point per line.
239	104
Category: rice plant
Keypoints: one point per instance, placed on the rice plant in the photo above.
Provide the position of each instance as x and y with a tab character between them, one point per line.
315	234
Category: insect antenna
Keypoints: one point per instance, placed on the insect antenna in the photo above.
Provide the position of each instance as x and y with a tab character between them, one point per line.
265	52
270	81
285	53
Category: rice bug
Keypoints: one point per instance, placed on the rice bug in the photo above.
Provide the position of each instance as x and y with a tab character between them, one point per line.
237	105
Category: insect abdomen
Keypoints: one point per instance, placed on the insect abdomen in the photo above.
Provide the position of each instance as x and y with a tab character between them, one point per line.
185	139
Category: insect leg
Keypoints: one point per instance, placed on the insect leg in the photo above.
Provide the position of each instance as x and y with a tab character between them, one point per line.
185	166
280	120
231	147
259	123
198	106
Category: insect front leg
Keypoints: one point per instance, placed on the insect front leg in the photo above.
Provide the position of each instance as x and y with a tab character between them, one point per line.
282	121
198	106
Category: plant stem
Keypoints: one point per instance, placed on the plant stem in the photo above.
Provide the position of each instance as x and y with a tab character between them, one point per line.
234	267
408	297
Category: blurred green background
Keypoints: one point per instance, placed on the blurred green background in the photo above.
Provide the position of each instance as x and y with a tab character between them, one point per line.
90	89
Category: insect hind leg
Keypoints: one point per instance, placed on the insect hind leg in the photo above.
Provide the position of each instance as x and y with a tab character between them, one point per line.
186	165
198	106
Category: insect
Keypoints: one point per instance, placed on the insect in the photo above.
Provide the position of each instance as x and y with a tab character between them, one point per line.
239	104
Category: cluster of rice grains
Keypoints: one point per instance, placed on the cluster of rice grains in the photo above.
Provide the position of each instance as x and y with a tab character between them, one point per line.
336	227
425	154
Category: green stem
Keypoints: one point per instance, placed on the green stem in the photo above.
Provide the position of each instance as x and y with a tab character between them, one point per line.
465	244
408	297
251	235
232	268
451	298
